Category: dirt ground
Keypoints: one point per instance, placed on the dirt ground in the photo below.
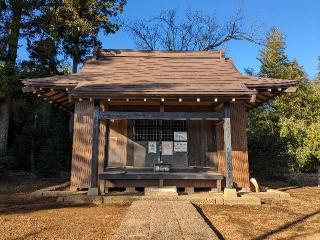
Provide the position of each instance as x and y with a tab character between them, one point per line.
298	218
23	217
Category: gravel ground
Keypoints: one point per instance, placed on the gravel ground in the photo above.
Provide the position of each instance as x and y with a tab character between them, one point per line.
298	218
23	217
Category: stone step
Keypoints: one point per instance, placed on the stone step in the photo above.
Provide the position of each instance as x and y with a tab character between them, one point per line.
161	191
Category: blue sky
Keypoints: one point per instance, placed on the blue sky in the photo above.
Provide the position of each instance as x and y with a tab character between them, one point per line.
298	20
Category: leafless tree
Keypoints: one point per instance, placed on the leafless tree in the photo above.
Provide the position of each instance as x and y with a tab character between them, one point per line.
196	31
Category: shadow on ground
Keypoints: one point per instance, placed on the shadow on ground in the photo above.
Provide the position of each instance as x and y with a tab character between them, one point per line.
214	229
35	204
288	225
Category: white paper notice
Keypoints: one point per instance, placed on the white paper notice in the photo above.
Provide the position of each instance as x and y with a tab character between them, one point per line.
167	148
152	147
181	146
180	136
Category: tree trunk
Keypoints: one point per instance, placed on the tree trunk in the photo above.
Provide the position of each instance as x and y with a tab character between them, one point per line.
15	25
74	65
32	157
70	127
4	123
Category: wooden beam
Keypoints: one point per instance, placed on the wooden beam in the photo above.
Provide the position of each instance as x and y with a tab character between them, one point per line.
67	104
95	148
266	94
261	98
162	115
144	176
51	93
227	145
58	95
250	105
62	99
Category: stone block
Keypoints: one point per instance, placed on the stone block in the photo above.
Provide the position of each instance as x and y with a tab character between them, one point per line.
230	193
248	200
265	195
214	190
280	194
254	186
93	192
81	199
130	189
189	190
161	191
219	200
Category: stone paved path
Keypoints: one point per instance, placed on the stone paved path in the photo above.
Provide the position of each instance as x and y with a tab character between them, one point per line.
169	220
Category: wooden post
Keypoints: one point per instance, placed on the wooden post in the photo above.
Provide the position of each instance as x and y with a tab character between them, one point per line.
219	185
95	151
32	160
319	176
160	138
227	145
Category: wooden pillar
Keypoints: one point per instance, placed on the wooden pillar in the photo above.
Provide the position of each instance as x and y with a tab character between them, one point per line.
82	145
95	149
227	145
160	137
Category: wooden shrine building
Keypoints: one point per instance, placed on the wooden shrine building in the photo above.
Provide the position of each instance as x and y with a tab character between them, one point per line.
159	118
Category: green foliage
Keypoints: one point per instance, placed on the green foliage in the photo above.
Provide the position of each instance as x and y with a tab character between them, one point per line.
39	132
299	122
40	129
284	134
9	78
318	75
77	24
268	154
39	137
272	58
16	21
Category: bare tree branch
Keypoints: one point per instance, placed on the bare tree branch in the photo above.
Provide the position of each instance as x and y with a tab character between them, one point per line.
195	31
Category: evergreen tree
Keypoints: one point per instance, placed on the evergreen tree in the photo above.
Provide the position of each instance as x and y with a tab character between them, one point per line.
273	58
49	26
318	74
281	133
16	21
268	149
78	23
39	139
299	123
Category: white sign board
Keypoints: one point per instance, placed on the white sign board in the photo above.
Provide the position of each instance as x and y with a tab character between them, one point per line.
181	146
152	147
180	136
167	148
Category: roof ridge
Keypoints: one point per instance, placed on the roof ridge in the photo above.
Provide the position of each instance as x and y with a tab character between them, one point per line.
161	51
160	54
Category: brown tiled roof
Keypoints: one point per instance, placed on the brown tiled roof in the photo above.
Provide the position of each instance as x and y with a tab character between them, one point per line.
263	82
53	81
123	73
127	73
